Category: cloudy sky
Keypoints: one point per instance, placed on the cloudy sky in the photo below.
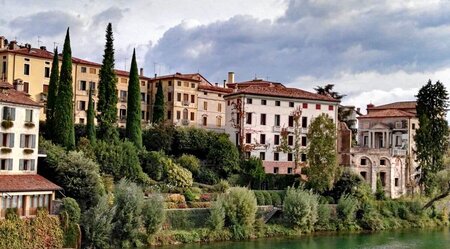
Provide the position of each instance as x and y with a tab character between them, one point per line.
377	52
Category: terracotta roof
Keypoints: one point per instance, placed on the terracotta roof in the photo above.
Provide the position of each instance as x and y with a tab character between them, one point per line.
388	113
10	95
255	82
127	74
191	77
281	91
396	105
214	88
25	183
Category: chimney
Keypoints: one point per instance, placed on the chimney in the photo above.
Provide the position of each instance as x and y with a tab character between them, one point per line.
43	48
230	77
2	42
141	72
18	85
216	84
358	110
224	83
13	45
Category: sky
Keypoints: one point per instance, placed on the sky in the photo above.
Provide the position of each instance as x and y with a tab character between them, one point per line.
373	51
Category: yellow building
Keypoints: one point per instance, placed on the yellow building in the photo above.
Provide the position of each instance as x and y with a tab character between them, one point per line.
33	66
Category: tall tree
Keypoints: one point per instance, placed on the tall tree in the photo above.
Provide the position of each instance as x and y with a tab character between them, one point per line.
63	115
107	92
327	90
133	128
432	135
322	153
90	126
158	107
52	95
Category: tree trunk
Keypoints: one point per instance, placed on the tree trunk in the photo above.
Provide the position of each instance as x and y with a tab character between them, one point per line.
439	197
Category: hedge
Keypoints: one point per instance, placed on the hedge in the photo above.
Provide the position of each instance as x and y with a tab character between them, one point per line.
269	197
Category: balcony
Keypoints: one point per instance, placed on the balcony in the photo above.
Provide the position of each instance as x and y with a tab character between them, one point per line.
398	152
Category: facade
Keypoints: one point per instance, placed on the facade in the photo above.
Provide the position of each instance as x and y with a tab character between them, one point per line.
386	147
20	185
32	66
259	111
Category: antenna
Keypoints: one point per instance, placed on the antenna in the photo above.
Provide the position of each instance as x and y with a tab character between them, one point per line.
55	45
39	41
154	67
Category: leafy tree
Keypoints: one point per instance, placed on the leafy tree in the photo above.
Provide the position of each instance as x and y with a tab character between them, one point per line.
432	135
133	128
254	172
158	107
327	90
90	126
52	95
189	162
153	213
129	200
154	163
223	156
63	115
107	92
322	153
159	137
300	208
97	223
70	214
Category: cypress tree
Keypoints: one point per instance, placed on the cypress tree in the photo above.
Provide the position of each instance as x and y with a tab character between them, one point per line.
158	107
63	115
133	128
52	95
90	126
107	92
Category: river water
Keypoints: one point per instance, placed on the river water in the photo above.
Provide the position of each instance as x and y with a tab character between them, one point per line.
416	239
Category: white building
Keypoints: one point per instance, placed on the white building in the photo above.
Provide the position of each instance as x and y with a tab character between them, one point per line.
264	108
20	185
386	147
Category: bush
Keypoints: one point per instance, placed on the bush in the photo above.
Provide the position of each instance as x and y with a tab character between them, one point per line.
278	181
159	137
154	163
260	198
217	218
187	219
300	208
221	186
179	176
267	198
348	183
190	163
207	176
346	212
223	156
324	218
153	213
276	198
190	195
70	214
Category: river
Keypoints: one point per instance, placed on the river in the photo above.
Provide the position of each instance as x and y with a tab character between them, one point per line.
415	239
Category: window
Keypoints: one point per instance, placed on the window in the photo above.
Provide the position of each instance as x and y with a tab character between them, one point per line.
185	114
276	156
27	141
317	106
413	126
179	97
192	99
205	106
398	141
365	140
83	69
304	122
169	115
383	178
276	139
290	157
143	97
262	138
249	118
228	103
9	113
364	175
205	121
291	104
81	120
178	115
276	170
291	121
169	96
6	164
304	142
192	85
123	114
123	96
26	87
143	115
263	119
290	140
383	162
277	120
263	102
92	70
169	83
45	88
26	69
305	105
277	103
248	138
178	83
192	116
303	157
28	115
26	164
143	83
7	139
123	80
82	86
81	105
91	85
249	101
247	154
262	156
4	67
363	161
396	182
219	107
238	118
289	170
330	108
47	72
218	121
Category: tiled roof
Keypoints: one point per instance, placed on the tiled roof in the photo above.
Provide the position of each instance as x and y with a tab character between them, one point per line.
127	74
25	183
214	88
255	82
396	105
281	91
388	113
10	95
191	77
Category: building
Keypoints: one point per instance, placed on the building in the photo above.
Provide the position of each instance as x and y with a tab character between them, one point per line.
259	111
20	185
191	100
386	147
32	66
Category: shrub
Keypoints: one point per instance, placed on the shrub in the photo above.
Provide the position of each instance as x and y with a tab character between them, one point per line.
253	171
191	196
153	213
260	199
223	156
323	217
300	208
346	211
187	219
176	198
221	186
348	183
70	214
207	176
159	137
154	163
276	198
217	218
199	204
179	176
267	198
190	163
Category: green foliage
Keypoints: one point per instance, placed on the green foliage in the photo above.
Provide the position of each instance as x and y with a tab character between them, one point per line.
207	176
217	215
324	222
346	212
253	171
52	95
154	163
322	153
133	127
221	187
379	193
260	197
70	214
432	136
278	181
178	176
90	125
153	213
107	92
189	162
64	133
300	208
97	224
129	200
158	107
187	219
223	156
348	183
159	137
